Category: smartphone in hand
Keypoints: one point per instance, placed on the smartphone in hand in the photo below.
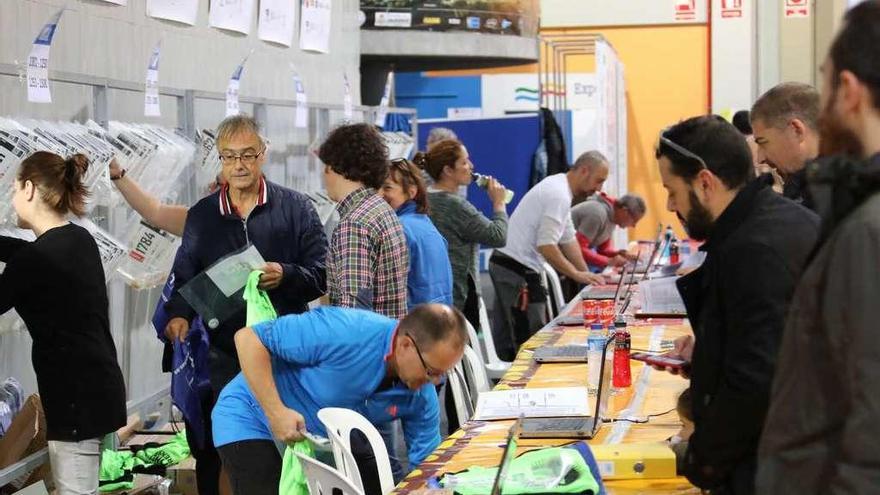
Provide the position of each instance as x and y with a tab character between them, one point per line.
661	361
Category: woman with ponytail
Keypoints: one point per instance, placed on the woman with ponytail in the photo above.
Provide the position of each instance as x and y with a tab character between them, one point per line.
463	226
56	284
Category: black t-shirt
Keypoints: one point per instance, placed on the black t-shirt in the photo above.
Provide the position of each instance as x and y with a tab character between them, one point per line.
57	286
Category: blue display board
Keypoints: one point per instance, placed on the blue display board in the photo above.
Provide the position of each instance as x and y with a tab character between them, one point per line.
502	148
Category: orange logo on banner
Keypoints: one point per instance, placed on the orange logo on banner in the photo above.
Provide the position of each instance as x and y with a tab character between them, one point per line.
685	10
797	8
731	8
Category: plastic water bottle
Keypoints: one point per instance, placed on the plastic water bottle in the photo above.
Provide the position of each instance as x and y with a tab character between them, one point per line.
595	344
667	241
483	182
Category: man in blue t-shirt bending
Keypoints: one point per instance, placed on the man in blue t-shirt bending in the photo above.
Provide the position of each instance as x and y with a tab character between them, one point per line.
333	357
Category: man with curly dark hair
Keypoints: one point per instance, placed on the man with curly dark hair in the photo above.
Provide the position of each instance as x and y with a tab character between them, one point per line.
368	263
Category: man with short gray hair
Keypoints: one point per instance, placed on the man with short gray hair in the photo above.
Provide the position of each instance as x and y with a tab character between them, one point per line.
438	134
247	210
785	121
595	220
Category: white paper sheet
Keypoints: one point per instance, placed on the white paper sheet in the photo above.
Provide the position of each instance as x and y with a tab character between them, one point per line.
151	86
232	107
301	119
660	296
277	21
38	62
117	2
185	11
386	98
348	108
533	403
232	15
314	31
231	274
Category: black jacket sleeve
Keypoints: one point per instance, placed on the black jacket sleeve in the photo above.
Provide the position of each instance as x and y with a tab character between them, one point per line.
755	286
9	246
186	266
306	278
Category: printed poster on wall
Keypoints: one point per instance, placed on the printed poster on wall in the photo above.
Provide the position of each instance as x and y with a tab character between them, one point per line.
314	31
685	10
232	15
38	62
184	11
277	21
731	9
797	9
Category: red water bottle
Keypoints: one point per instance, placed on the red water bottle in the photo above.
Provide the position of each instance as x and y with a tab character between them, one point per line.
621	377
673	252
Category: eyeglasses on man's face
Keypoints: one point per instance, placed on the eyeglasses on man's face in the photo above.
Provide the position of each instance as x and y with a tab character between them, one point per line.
247	158
431	372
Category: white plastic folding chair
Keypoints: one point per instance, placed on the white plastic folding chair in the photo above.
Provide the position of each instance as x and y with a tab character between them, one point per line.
339	424
495	367
461	397
478	381
324	480
556	301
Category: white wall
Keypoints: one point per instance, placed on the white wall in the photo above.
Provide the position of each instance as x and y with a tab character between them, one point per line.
101	39
567	13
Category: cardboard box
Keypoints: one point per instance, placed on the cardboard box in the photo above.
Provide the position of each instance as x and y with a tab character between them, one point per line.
183	478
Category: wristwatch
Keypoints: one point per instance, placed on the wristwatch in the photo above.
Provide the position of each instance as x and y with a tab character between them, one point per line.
121	175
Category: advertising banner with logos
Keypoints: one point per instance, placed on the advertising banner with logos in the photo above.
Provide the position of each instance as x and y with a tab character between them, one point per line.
483	16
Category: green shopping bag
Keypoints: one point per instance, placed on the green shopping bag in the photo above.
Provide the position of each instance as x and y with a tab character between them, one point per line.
259	307
293	478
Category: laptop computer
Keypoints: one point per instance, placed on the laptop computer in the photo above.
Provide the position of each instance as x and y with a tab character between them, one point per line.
507	456
594	293
574	427
561	353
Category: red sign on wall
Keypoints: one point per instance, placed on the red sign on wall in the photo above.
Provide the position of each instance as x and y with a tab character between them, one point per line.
685	10
731	8
797	8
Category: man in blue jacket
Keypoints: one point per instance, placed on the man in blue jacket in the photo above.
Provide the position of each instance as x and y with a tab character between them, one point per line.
333	357
282	225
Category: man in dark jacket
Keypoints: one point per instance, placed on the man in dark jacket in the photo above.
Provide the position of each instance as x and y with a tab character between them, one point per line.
786	130
282	225
756	243
824	420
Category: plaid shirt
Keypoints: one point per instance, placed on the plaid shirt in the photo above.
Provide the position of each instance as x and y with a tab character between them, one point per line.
368	262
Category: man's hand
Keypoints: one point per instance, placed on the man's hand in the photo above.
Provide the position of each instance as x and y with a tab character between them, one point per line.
177	328
287	425
684	349
271	277
590	278
628	255
617	260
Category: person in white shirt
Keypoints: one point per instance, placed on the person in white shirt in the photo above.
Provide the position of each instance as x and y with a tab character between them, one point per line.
540	229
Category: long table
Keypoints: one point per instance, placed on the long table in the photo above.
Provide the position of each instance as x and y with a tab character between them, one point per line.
477	443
